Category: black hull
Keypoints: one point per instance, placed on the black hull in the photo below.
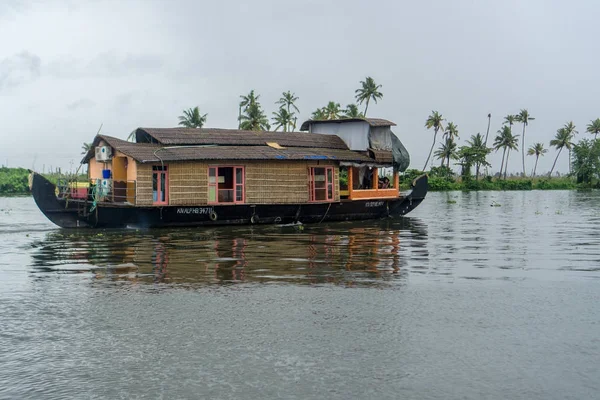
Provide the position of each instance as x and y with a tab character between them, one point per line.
76	213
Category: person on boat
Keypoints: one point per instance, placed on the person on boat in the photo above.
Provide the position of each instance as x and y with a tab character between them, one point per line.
384	183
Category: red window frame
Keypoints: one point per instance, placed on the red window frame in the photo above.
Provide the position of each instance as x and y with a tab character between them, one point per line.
162	174
329	188
236	185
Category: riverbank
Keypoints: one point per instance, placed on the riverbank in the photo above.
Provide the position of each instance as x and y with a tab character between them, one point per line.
442	182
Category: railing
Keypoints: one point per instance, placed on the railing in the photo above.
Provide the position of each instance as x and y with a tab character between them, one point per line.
119	191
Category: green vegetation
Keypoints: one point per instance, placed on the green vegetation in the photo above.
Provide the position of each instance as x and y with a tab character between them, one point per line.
252	117
537	150
192	118
286	117
443	179
14	180
435	121
524	118
368	90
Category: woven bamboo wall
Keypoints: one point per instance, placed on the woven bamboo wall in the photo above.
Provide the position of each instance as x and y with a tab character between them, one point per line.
188	183
143	187
266	182
281	183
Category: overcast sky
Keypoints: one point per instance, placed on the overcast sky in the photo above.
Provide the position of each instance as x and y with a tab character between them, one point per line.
67	66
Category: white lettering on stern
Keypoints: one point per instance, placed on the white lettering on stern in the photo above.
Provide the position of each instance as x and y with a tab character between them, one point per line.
373	203
194	210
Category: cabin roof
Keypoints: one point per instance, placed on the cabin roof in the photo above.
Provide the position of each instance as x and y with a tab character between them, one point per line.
153	152
371	121
234	137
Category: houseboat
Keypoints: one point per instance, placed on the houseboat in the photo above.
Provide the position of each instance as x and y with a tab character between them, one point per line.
333	170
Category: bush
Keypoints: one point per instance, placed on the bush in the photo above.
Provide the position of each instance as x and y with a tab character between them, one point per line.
442	184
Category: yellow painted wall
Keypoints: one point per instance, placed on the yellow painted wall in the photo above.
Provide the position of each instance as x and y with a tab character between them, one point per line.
119	171
95	169
131	169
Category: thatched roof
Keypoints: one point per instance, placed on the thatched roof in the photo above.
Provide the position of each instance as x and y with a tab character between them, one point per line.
154	152
234	137
371	121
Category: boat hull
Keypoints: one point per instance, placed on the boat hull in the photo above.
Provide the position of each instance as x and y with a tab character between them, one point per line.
68	213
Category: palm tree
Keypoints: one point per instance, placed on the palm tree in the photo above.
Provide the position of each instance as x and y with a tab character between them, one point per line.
332	110
500	143
513	144
594	127
191	118
451	131
506	141
288	100
435	121
524	118
86	147
351	111
247	100
510	120
479	151
536	150
446	151
561	140
368	91
283	119
570	128
318	114
254	119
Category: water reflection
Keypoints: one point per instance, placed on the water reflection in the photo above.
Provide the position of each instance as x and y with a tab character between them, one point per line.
365	253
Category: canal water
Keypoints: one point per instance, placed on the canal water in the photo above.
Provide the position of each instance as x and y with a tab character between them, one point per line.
474	295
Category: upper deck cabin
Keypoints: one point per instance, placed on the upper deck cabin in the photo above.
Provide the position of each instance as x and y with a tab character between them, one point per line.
194	167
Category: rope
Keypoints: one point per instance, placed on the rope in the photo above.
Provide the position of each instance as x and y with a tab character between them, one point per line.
328	207
94	197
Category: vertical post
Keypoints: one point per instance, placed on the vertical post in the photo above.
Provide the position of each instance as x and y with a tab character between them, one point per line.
396	180
350	182
375	178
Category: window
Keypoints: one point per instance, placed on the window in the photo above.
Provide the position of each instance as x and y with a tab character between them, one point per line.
160	186
226	184
321	184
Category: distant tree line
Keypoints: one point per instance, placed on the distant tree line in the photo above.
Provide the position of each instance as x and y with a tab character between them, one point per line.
583	156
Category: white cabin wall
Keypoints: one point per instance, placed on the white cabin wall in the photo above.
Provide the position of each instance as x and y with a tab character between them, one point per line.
355	134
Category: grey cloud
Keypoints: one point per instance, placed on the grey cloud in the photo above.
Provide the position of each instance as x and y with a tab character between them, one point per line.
81	104
19	69
108	64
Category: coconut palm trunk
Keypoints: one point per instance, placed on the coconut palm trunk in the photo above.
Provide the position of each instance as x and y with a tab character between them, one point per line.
488	129
367	106
239	116
506	165
435	131
555	160
523	149
502	164
535	166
